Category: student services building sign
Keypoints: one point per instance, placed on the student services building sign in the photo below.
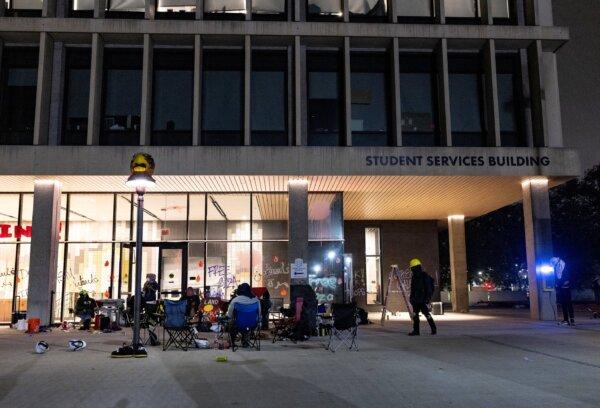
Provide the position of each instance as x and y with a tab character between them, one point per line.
456	161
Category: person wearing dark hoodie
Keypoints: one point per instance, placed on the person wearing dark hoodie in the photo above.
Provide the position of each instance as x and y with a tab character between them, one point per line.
421	290
85	308
244	296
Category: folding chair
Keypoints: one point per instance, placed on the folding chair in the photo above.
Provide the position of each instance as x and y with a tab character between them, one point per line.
176	325
344	327
246	322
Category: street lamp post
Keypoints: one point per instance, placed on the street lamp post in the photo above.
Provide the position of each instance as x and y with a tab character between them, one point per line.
142	168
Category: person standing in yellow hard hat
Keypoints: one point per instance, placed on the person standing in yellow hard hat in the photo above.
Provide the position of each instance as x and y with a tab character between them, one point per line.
421	291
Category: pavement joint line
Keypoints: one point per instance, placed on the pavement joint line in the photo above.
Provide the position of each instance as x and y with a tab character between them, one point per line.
500	343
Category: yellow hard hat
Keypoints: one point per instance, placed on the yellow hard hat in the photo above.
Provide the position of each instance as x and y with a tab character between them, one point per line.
414	262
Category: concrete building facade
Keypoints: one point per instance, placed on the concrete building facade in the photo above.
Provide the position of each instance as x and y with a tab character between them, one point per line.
340	133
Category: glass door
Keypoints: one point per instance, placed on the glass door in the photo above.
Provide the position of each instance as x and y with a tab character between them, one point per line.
172	270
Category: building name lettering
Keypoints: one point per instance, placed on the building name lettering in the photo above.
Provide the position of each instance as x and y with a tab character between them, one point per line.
458	161
8	231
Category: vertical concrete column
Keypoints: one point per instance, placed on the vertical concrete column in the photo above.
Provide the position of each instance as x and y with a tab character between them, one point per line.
57	92
531	12
95	98
392	11
62	8
534	63
458	263
248	10
99	8
491	94
290	94
347	93
44	249
299	10
396	104
247	89
199	9
345	10
439	10
150	13
444	92
147	73
538	243
298	222
487	16
197	109
44	88
300	122
49	8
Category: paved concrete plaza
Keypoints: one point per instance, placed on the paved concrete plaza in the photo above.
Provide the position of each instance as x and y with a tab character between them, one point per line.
491	359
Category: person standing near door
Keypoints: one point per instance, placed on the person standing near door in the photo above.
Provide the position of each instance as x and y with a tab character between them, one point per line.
149	293
563	290
421	290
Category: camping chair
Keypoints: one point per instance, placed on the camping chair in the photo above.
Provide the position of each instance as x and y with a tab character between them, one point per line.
285	328
176	325
344	327
246	322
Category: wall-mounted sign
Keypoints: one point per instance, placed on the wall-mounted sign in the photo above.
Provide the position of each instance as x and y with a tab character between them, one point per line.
457	160
299	269
16	231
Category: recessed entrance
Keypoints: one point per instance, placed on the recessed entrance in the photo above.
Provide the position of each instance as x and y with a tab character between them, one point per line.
167	260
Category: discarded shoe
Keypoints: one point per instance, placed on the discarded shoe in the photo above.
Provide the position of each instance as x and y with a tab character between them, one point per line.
123	352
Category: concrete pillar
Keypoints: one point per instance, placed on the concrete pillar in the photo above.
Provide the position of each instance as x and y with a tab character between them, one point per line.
197	109
150	13
49	8
444	93
439	11
538	243
247	90
487	16
391	4
534	63
347	93
491	94
248	10
95	99
44	249
199	9
346	10
298	222
62	8
458	263
147	76
57	92
396	104
531	12
44	88
99	8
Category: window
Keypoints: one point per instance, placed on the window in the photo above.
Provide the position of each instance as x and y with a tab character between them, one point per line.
24	8
418	100
222	97
81	8
324	98
466	100
126	9
269	216
415	10
325	216
90	217
122	97
165	217
173	97
228	265
369	83
77	93
268	9
176	9
269	98
361	10
373	265
19	84
510	100
225	9
228	216
464	11
324	10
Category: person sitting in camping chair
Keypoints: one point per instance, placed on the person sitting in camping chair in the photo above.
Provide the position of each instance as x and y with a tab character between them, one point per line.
245	318
85	309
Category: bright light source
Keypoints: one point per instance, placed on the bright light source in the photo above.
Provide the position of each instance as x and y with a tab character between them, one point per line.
331	255
480	273
317	268
456	217
140	181
535	181
546	269
348	260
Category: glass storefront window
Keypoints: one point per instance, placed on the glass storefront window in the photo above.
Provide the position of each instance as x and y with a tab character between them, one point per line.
196	217
164	217
324	9
228	265
228	217
123	217
325	216
77	93
7	279
373	265
196	265
361	10
9	217
18	95
90	217
270	268
326	271
369	83
269	216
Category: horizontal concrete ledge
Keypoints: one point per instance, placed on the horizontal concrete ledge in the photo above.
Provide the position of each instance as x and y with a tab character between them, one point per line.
552	37
295	160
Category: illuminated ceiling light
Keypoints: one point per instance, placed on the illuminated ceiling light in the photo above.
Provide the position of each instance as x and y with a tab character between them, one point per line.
331	255
456	217
535	182
298	181
316	268
47	182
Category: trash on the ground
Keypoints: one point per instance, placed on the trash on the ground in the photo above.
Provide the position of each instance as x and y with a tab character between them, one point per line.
77	344
221	359
526	359
41	347
202	343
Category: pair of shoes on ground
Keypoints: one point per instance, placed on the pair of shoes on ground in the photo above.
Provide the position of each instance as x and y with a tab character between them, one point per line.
128	351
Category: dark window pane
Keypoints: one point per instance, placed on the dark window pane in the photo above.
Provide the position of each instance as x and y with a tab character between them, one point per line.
369	99
418	100
122	97
510	100
466	100
222	98
77	93
324	10
173	97
269	98
324	98
19	80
